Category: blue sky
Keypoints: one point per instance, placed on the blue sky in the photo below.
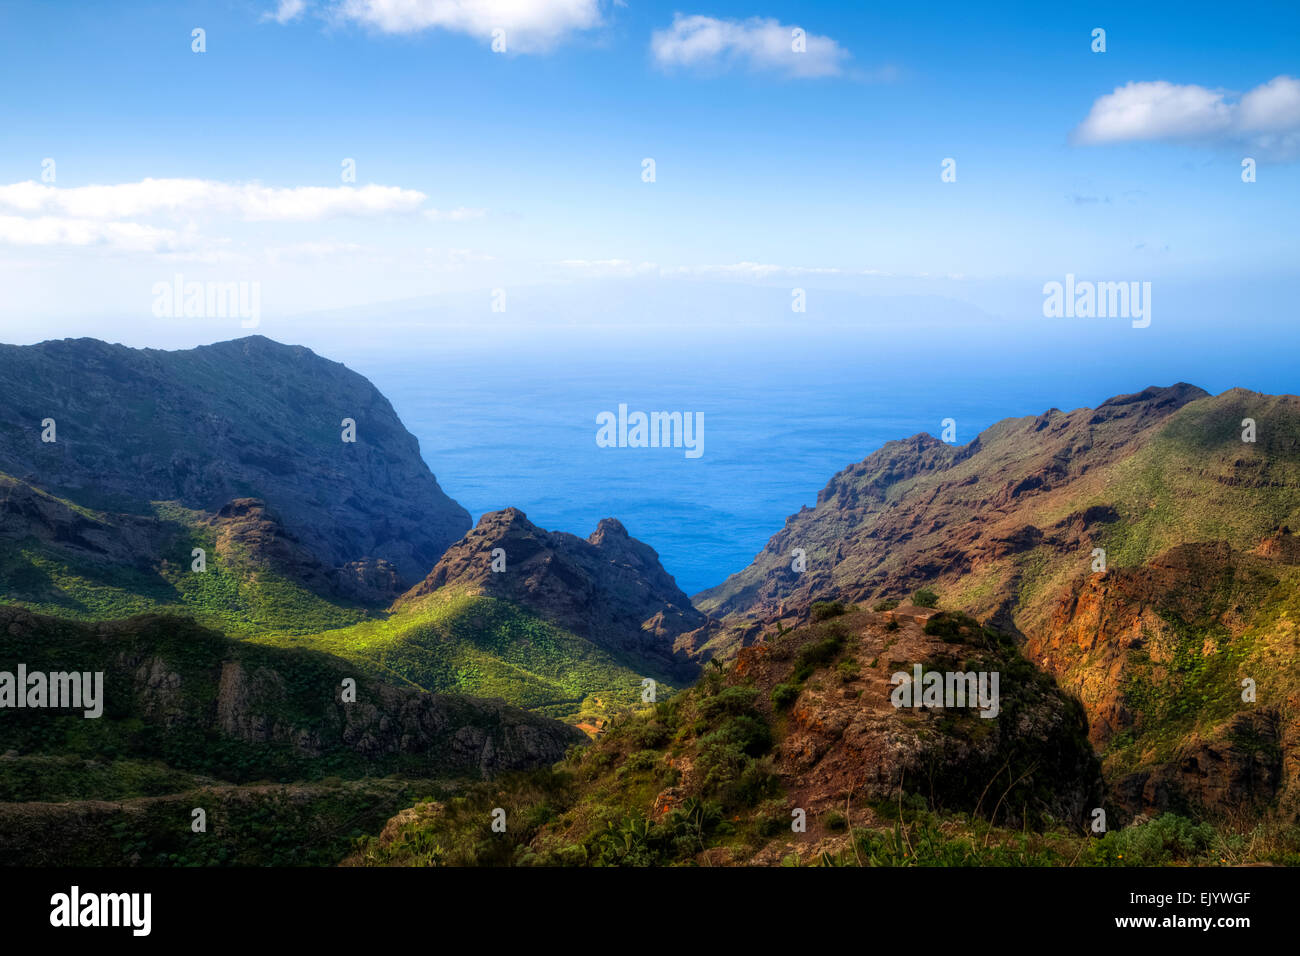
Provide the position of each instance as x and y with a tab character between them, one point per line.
509	170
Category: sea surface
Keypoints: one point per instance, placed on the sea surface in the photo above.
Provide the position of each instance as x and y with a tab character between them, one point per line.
520	431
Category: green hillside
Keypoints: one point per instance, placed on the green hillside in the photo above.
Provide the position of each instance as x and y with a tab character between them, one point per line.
236	595
468	643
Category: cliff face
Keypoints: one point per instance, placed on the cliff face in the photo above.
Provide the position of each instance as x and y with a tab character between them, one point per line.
237	419
1158	654
918	511
608	588
1161	490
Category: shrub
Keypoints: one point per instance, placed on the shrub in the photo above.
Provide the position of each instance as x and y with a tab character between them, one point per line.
1157	842
825	610
729	702
886	605
783	695
925	598
648	735
952	626
819	652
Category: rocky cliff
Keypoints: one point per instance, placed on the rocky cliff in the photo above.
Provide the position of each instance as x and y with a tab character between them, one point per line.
608	588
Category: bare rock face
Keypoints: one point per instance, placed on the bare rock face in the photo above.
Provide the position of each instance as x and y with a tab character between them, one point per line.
206	426
27	512
1238	772
609	588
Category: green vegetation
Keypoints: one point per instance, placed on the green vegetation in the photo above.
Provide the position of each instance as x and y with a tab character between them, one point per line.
467	643
825	610
298	825
925	597
235	595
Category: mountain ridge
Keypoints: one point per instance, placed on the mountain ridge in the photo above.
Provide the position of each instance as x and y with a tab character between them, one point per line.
244	418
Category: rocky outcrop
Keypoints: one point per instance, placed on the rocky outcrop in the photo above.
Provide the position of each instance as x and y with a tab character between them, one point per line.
206	426
29	513
1237	773
249	533
845	737
609	588
1161	649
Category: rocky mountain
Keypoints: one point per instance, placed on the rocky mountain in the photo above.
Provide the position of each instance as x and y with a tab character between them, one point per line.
1135	550
608	588
239	419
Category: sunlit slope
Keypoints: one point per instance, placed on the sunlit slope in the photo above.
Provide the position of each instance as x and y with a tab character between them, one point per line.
456	640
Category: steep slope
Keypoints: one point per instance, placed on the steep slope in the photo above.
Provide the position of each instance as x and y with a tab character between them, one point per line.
247	418
567	626
460	642
920	511
1161	490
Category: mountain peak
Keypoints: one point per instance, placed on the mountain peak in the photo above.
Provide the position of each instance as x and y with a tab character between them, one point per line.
609	588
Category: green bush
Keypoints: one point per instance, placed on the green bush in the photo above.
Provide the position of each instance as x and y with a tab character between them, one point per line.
825	610
783	695
886	605
925	598
953	626
836	822
1167	838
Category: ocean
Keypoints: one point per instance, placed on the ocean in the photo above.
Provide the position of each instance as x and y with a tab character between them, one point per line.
520	431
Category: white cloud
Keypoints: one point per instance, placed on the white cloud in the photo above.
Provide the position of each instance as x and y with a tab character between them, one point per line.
1267	116
761	43
459	214
252	202
56	231
530	25
286	11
